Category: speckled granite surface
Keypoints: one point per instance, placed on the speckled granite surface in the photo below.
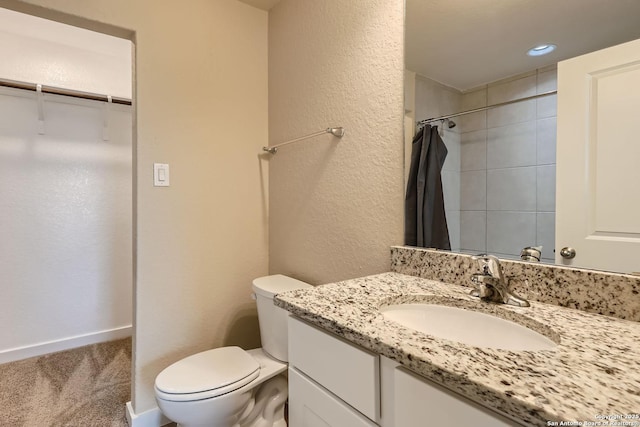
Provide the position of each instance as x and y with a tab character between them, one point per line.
611	294
594	370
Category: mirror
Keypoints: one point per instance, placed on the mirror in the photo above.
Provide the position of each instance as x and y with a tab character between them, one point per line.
499	176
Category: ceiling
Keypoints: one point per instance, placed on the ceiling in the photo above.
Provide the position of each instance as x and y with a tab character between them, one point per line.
465	44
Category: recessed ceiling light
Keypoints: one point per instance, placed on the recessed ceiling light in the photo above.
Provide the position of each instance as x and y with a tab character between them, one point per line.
542	49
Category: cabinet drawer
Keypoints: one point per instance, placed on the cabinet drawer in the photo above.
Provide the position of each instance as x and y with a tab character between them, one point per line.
312	406
349	372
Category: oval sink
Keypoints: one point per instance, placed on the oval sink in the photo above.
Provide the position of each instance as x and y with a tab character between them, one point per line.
467	327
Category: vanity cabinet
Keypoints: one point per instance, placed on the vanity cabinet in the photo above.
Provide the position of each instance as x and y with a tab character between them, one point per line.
311	405
335	383
420	402
328	368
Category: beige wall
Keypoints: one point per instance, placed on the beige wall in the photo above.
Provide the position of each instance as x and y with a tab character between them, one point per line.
201	106
336	207
32	50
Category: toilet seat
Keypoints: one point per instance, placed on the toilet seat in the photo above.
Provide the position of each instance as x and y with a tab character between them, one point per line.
207	374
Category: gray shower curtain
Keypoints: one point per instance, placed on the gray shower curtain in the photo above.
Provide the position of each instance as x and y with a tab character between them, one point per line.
425	222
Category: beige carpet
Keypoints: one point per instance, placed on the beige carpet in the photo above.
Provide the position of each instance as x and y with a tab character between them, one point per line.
83	387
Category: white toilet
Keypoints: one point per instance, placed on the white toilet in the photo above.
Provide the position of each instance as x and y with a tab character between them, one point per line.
231	387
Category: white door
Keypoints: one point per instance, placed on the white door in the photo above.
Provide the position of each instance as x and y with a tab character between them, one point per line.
598	159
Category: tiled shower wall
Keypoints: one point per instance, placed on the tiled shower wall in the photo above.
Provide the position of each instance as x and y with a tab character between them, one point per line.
499	176
507	167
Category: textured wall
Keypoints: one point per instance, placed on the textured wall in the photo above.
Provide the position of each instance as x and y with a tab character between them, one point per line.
201	106
65	224
336	207
37	50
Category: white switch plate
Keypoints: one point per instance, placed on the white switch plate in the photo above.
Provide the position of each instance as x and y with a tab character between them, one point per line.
160	175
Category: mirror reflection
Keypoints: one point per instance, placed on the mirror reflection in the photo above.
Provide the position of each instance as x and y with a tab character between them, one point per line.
499	175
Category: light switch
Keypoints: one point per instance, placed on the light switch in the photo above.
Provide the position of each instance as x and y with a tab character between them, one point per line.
160	175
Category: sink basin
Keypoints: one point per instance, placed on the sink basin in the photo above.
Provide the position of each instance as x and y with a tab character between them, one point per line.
467	327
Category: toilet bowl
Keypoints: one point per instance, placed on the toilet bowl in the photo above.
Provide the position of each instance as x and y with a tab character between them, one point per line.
229	386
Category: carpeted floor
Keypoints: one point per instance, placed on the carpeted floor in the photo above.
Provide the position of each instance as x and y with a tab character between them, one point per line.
84	387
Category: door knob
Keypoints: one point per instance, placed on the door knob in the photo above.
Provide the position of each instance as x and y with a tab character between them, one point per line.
567	252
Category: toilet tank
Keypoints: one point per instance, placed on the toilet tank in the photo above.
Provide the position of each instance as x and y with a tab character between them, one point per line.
273	320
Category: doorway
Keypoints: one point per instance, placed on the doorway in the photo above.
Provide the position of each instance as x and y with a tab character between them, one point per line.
66	185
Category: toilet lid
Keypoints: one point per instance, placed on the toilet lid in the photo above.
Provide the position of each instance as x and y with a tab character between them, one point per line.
217	369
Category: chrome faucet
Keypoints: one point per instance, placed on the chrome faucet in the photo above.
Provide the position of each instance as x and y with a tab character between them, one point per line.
491	285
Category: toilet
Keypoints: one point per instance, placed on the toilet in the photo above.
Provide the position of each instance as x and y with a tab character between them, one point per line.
229	386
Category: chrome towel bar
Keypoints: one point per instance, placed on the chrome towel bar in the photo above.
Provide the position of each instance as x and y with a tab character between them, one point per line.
337	131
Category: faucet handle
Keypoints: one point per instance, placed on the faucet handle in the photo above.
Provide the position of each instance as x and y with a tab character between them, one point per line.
483	262
491	284
489	264
485	258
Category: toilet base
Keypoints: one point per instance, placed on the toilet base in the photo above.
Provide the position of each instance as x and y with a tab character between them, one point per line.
267	412
268	405
258	404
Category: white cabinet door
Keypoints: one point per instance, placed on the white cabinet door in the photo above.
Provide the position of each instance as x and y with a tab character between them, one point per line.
421	403
350	372
310	405
598	159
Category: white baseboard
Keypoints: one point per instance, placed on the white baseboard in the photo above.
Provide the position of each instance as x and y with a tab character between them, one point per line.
151	418
39	349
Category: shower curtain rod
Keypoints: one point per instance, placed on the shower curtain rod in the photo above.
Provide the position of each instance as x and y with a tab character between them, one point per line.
337	131
489	107
65	92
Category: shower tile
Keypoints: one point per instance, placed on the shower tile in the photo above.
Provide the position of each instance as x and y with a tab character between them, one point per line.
514	89
409	90
449	101
434	99
511	189
452	142
546	141
475	99
451	189
426	91
546	188
473	190
547	106
509	232
473	231
473	150
513	113
472	122
512	145
453	224
546	234
547	81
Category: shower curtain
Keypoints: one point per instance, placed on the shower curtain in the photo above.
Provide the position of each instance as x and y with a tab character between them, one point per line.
425	220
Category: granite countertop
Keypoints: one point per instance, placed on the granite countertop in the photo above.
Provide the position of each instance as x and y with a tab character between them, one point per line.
593	372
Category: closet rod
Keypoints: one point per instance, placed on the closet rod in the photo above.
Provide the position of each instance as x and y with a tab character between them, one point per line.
477	110
65	92
337	131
